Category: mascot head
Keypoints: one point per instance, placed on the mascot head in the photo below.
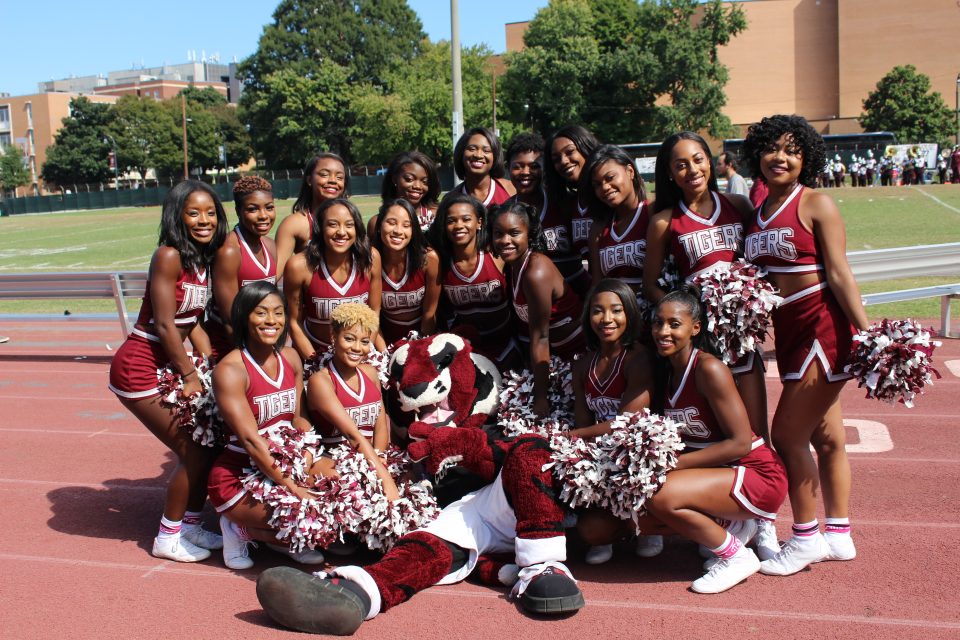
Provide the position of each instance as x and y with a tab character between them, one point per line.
444	382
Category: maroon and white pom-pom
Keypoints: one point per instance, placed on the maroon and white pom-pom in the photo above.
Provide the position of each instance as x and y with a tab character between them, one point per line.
516	416
738	303
198	414
893	359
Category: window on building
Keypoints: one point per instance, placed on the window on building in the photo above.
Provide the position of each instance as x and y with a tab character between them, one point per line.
5	140
4	114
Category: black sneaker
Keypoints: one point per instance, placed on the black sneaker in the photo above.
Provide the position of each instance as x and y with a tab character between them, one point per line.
552	591
305	602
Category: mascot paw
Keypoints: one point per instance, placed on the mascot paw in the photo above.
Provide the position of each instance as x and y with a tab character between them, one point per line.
305	602
548	588
440	448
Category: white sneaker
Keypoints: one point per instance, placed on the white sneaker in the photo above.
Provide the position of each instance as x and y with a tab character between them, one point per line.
178	549
796	555
766	540
648	546
728	572
841	546
303	557
202	538
236	552
599	554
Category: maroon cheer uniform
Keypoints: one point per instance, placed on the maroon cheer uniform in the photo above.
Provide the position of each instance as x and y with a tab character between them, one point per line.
496	196
566	332
324	294
699	244
133	371
399	301
622	255
480	302
604	396
810	323
272	402
363	407
760	481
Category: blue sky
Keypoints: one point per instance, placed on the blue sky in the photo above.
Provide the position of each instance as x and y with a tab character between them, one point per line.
53	39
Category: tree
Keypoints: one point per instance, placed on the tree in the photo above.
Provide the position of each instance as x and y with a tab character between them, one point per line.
79	153
311	43
146	136
13	168
629	71
903	103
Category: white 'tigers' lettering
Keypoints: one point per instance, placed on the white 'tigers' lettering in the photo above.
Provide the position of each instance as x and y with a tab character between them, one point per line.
627	254
690	423
365	415
771	242
400	300
702	242
489	291
325	306
194	297
271	405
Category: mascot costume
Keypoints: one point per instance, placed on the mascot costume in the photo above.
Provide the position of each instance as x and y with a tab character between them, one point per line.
454	393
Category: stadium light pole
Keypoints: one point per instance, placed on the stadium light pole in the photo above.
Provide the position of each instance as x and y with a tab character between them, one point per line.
455	57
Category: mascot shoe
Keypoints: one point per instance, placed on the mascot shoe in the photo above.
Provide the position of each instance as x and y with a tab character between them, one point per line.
548	588
306	602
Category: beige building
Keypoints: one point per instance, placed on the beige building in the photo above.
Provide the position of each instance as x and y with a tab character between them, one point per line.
31	122
820	58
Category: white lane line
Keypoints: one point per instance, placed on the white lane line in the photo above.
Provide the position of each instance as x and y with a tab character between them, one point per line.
909	523
97	433
88	434
937	200
99	564
907	460
953	366
157	569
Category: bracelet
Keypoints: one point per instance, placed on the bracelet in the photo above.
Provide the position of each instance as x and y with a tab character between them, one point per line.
192	372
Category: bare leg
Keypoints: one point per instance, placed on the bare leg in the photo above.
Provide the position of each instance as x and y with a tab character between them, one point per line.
691	499
829	441
753	391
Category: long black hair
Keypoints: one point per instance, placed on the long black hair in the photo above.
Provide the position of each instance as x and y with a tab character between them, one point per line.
536	240
173	232
246	300
388	189
417	249
360	250
437	234
304	201
583	140
496	171
762	136
669	193
630	309
605	153
689	297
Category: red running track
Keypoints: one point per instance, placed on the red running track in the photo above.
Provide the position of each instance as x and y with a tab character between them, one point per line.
82	487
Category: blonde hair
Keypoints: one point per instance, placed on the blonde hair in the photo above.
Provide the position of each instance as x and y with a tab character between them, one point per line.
355	313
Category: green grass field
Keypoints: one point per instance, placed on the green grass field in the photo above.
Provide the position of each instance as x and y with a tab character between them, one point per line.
124	239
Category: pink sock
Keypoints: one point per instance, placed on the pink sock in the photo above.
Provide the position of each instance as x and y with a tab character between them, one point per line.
728	548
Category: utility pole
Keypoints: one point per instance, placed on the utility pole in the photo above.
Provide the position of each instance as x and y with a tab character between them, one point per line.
183	113
455	56
495	132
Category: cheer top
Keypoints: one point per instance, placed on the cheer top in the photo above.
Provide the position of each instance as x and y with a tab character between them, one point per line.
399	300
192	291
251	269
700	244
272	400
479	299
324	294
698	425
496	196
780	243
556	230
580	225
622	255
362	406
604	396
564	312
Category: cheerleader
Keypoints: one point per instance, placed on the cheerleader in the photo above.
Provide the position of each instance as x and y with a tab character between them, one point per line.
525	164
337	267
567	151
259	387
478	161
410	271
247	255
617	200
726	472
475	292
703	230
546	308
413	177
324	178
192	227
799	237
613	378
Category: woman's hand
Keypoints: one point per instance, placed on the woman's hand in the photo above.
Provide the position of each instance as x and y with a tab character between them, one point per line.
390	490
191	384
304	493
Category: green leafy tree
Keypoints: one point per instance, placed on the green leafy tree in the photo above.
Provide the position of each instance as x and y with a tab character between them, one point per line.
146	136
630	71
233	134
13	168
309	44
79	153
206	97
904	104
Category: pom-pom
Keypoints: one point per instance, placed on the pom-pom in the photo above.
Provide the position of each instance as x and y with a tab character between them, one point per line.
738	302
516	415
379	360
198	413
893	360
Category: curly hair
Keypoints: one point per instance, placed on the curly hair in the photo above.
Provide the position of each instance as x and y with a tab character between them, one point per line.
352	314
247	185
525	142
668	193
536	240
762	136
